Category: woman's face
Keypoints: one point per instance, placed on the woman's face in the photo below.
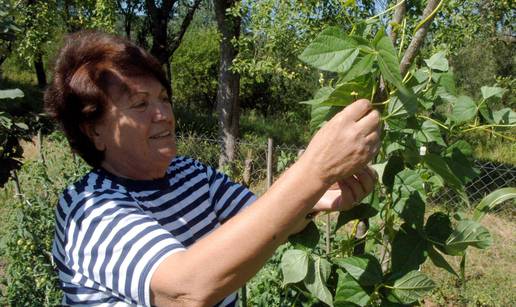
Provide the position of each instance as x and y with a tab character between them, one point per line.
137	132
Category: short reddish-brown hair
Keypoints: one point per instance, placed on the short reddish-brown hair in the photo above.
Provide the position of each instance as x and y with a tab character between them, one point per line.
78	93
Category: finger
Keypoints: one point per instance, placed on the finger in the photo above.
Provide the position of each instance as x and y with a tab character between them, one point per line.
373	141
366	180
370	122
356	188
347	197
357	109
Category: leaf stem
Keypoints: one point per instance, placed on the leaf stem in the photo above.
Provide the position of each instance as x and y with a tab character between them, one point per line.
488	126
429	17
386	11
402	42
503	136
434	121
381	103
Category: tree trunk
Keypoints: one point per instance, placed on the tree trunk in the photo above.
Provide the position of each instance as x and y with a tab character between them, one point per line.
397	18
419	37
229	82
40	71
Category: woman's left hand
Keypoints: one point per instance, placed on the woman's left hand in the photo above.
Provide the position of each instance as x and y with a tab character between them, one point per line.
350	192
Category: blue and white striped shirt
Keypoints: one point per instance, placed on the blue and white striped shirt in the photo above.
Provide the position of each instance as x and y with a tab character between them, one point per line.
112	233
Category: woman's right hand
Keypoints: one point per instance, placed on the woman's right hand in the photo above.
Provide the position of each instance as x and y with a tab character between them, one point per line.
345	144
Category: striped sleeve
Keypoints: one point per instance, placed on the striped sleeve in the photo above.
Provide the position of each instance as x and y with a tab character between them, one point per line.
114	246
227	197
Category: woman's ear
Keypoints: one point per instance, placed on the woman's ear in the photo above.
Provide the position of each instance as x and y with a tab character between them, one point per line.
90	130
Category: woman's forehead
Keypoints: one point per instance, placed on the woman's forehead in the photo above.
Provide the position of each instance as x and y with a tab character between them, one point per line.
135	86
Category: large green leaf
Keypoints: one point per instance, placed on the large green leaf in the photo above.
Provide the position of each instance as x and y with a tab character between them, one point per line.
505	116
492	91
438	228
308	238
362	211
459	159
345	93
438	61
464	109
321	114
490	201
360	68
439	166
439	261
388	61
409	190
394	165
468	233
315	281
11	94
430	132
350	291
366	269
461	146
412	287
321	95
408	250
294	265
331	50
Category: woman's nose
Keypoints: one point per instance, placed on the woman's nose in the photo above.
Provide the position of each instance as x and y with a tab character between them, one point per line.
162	111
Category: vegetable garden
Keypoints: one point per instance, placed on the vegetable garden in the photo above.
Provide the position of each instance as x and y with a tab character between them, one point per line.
372	255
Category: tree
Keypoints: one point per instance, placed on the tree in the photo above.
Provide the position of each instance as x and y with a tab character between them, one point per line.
164	43
128	9
229	81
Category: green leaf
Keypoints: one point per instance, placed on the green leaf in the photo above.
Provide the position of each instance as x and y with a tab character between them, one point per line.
439	166
438	61
464	109
412	287
315	281
438	228
361	211
331	50
21	125
468	233
439	261
430	132
348	92
492	91
294	265
360	68
321	95
321	114
490	201
350	291
405	183
447	82
505	116
408	250
308	238
460	146
366	269
11	94
388	61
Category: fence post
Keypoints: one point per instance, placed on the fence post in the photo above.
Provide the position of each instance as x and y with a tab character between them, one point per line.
269	162
40	146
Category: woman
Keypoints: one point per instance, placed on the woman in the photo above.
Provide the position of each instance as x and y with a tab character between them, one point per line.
147	227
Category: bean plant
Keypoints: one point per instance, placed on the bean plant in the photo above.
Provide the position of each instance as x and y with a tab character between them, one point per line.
423	117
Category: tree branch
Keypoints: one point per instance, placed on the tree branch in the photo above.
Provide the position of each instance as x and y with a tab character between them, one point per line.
419	37
178	36
398	16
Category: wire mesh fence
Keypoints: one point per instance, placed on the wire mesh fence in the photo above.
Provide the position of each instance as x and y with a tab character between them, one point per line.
250	168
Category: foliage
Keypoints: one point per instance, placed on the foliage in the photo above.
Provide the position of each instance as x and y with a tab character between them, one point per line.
30	273
195	67
415	157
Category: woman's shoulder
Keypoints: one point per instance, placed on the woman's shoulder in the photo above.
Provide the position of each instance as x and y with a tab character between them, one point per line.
186	162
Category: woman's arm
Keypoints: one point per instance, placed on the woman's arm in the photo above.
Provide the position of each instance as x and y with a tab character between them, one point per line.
225	259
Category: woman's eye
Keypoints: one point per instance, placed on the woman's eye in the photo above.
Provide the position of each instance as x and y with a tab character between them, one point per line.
140	105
